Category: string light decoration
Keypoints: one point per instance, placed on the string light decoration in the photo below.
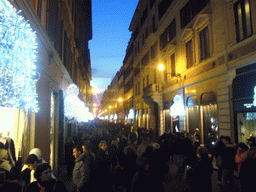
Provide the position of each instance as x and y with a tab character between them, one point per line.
17	60
74	107
72	102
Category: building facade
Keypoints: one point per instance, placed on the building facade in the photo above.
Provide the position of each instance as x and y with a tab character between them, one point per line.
207	53
63	29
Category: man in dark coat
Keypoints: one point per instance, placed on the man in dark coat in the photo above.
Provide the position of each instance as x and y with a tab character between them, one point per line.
102	168
200	175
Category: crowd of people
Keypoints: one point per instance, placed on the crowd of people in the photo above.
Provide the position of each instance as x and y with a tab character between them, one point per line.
120	158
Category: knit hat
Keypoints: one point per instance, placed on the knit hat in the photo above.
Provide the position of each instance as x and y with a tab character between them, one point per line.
3	153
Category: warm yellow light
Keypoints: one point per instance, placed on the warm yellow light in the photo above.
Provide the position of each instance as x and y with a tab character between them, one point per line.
94	104
96	90
106	110
110	107
161	67
120	99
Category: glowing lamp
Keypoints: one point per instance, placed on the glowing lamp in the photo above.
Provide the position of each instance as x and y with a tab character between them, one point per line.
161	67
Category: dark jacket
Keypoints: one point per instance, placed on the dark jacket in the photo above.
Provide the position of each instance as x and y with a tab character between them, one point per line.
51	186
200	176
102	164
247	175
83	173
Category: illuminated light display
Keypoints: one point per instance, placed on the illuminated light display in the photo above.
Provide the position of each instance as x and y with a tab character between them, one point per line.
249	105
17	60
177	109
74	107
131	114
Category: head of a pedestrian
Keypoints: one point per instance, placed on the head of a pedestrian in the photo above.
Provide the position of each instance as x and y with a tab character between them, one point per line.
32	161
103	145
86	147
43	173
37	152
77	151
242	147
251	140
202	152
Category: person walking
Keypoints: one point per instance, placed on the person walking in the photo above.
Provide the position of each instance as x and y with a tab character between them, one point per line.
200	175
69	158
102	168
241	155
83	170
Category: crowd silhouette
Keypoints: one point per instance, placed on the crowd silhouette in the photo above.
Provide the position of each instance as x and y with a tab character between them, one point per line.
120	158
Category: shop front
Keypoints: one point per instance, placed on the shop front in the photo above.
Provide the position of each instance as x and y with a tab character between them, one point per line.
18	79
244	102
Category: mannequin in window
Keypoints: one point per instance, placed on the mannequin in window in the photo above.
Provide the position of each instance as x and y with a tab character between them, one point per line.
11	148
2	141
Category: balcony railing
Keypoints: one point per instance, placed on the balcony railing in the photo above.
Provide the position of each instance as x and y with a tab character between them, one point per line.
152	88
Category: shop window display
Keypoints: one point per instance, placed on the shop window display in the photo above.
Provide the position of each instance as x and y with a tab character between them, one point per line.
246	122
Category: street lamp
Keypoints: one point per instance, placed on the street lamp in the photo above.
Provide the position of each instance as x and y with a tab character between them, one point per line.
161	67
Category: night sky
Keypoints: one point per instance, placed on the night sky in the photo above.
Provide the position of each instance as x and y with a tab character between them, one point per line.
110	23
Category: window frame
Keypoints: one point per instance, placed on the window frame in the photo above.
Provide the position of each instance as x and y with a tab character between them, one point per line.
244	21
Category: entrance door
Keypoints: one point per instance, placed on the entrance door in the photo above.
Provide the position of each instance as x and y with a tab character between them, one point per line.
246	124
210	125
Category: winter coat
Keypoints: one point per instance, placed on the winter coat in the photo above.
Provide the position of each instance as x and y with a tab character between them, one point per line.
200	176
102	164
247	175
83	172
240	158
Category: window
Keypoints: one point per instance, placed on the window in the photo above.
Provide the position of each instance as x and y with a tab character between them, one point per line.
145	60
168	35
144	17
165	70
154	50
39	8
204	44
152	2
189	54
162	7
153	24
243	19
190	10
139	88
173	70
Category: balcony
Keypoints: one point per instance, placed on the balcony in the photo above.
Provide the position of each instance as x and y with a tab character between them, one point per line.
151	89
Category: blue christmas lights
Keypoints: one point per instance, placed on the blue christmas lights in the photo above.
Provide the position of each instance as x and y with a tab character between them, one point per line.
17	60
